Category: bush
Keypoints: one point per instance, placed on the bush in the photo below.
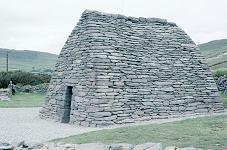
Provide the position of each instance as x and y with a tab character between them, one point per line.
41	88
219	73
22	78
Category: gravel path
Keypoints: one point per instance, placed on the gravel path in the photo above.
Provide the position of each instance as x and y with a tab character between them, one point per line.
18	124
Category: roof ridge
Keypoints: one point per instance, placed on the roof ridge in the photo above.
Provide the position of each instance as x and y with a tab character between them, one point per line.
130	18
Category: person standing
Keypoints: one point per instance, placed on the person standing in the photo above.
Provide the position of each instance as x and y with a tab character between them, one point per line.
11	89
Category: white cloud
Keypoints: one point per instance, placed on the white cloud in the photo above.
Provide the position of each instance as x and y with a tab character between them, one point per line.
44	25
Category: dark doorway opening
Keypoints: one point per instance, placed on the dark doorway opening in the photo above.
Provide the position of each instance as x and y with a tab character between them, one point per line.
67	105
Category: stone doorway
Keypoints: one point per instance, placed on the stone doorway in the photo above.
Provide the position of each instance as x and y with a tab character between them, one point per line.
67	105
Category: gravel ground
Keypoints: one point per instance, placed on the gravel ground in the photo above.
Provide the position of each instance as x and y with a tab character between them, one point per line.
18	124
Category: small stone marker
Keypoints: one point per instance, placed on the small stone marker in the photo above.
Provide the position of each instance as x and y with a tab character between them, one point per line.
4	95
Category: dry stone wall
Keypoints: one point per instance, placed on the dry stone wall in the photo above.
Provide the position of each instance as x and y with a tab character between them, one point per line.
90	146
125	69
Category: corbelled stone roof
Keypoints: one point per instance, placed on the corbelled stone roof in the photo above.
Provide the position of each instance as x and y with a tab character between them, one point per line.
132	19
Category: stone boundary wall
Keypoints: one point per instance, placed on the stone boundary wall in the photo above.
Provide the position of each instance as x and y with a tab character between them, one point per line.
90	146
126	69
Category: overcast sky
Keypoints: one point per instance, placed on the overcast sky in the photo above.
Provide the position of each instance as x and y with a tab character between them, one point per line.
44	25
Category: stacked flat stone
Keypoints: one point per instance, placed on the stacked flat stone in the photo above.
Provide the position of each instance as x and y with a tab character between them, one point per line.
126	69
89	146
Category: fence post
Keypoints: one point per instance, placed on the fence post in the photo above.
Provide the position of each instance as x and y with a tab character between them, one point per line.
7	61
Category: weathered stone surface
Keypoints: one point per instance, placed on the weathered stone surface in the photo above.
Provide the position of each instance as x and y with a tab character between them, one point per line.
171	148
149	146
20	144
121	146
84	123
189	148
124	69
100	114
90	146
37	146
6	146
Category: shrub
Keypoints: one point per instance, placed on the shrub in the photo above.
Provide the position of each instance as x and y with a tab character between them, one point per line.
22	78
220	72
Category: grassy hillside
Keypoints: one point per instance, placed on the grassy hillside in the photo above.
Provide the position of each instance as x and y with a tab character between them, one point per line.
27	60
216	53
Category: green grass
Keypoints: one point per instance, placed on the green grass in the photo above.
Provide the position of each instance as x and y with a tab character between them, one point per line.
206	132
224	99
24	100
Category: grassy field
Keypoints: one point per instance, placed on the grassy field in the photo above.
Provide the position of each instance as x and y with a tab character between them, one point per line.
224	99
24	100
206	132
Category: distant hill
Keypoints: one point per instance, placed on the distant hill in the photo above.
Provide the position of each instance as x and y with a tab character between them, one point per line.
35	61
27	60
216	53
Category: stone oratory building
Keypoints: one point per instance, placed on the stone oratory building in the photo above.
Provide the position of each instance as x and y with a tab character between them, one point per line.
115	69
